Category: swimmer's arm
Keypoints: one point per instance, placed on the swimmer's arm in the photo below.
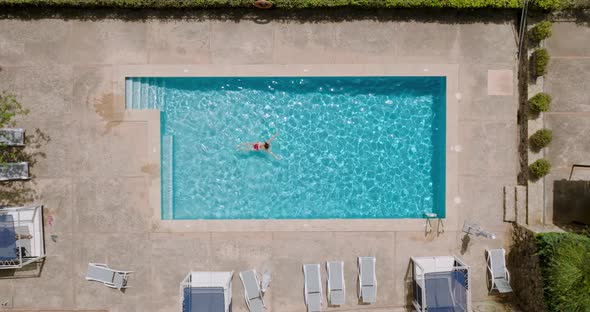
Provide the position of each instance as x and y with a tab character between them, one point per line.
273	137
274	155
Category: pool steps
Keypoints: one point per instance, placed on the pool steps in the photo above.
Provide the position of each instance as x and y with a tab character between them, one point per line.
144	93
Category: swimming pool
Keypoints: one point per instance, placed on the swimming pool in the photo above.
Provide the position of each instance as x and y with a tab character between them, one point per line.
350	147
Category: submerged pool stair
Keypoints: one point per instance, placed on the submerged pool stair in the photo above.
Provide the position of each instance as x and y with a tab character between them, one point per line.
144	93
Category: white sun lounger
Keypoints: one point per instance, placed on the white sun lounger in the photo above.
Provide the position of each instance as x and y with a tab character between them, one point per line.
252	292
14	171
498	273
336	287
100	272
12	137
367	280
312	287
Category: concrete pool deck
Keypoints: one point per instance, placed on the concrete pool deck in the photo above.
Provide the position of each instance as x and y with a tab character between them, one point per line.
95	176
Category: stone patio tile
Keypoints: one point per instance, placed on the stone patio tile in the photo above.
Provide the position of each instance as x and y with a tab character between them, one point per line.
482	200
304	43
56	195
569	133
47	142
48	98
111	205
568	40
109	42
173	256
364	41
500	82
53	289
424	42
246	42
178	42
565	80
24	43
480	43
489	148
109	149
475	103
93	94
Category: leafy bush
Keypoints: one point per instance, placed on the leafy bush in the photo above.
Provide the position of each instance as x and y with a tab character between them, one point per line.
9	107
281	4
540	168
541	138
540	102
565	271
540	60
541	31
548	4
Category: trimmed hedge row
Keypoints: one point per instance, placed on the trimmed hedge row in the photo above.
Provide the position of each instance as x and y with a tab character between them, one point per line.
291	4
563	258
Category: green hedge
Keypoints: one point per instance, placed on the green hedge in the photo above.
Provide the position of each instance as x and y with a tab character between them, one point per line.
541	31
541	138
540	60
563	258
540	168
291	4
540	102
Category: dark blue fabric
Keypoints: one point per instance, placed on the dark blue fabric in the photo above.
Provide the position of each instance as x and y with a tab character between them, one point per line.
446	291
7	238
209	299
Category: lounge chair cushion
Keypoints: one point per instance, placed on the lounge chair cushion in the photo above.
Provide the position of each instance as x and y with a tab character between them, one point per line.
252	288
498	263
313	279
367	272
119	280
368	294
502	285
314	302
337	297
256	305
336	282
100	274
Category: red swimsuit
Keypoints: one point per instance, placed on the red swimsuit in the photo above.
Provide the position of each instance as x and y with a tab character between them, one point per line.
256	146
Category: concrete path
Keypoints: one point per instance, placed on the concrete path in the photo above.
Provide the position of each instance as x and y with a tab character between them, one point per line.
92	176
568	82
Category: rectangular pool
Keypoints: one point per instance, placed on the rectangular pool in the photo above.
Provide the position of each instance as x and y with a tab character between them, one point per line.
350	147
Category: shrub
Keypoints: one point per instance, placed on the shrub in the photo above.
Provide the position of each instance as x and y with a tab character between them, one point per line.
541	31
540	168
540	102
563	259
547	4
540	60
9	107
279	4
541	138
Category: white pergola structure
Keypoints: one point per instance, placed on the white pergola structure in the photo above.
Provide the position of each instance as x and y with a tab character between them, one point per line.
21	236
206	291
440	284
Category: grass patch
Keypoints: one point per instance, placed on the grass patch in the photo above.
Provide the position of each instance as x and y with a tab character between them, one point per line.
564	267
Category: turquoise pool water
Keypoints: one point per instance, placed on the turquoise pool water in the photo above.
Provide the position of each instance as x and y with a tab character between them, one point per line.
350	147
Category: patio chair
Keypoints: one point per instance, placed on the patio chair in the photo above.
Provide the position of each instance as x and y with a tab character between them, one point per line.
336	287
252	292
499	278
12	137
367	280
312	287
14	171
100	272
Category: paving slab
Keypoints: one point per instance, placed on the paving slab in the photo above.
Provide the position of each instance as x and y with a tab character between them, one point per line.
178	42
480	43
569	145
245	42
569	39
567	82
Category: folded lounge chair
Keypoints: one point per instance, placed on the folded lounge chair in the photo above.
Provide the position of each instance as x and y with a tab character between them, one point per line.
14	171
252	292
312	287
12	137
336	288
99	272
498	273
367	280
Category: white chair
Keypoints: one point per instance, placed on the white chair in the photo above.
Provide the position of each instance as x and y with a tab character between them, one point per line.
100	272
252	292
367	280
336	286
313	287
499	278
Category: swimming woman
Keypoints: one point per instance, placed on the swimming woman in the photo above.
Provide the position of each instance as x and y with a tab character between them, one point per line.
259	146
